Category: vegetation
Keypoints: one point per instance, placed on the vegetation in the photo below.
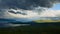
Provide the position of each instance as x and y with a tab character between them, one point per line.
35	27
29	30
47	21
42	28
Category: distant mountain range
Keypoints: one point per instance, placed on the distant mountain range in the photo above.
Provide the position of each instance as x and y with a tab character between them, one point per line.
3	20
13	21
6	22
49	18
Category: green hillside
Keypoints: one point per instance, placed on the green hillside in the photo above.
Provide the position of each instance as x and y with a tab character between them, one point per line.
40	21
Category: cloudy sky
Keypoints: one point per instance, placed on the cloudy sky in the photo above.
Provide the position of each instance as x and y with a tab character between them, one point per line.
27	10
56	7
23	10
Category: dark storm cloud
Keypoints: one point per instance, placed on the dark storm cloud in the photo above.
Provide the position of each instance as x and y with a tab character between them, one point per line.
17	12
26	4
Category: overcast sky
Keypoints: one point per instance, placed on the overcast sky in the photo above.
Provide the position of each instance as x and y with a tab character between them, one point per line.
27	5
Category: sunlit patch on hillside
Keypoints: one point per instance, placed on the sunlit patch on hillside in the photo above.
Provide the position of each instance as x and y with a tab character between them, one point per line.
46	21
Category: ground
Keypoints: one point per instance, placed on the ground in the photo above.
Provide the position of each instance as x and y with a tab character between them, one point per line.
42	28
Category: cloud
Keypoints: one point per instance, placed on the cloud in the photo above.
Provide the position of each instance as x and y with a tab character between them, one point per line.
12	25
27	10
50	13
30	14
21	13
27	4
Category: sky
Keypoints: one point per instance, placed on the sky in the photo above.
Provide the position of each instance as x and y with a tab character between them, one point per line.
56	7
23	10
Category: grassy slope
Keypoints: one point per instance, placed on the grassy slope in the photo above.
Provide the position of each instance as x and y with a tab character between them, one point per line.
42	28
39	21
29	30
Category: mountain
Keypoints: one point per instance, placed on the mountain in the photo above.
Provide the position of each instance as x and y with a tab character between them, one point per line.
6	20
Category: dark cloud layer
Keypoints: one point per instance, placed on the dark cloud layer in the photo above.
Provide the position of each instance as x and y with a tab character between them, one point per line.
26	4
